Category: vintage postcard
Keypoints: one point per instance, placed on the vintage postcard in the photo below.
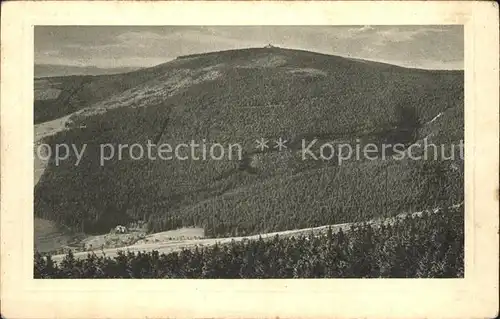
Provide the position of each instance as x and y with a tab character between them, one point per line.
251	159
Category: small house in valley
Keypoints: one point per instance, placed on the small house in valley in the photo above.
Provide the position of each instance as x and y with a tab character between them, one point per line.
120	229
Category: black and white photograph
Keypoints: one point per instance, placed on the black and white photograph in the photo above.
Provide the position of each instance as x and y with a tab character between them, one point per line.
249	159
240	152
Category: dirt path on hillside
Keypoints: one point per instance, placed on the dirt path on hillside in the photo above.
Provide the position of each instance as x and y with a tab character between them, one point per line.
41	131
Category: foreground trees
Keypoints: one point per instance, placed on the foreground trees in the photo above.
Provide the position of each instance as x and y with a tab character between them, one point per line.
431	245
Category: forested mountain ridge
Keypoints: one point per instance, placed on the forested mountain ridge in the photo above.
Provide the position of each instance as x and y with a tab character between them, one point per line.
239	96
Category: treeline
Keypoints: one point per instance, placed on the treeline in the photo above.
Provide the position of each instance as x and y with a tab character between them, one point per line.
427	246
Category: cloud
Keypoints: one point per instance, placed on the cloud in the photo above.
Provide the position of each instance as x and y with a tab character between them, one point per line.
398	34
50	53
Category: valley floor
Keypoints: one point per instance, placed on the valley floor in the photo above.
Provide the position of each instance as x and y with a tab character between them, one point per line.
168	246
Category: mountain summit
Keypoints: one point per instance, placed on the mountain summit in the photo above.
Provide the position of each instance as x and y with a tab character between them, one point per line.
243	96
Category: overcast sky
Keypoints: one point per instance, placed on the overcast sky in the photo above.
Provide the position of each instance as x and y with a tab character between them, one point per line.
431	47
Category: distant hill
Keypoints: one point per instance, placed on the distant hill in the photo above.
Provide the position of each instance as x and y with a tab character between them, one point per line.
51	70
239	96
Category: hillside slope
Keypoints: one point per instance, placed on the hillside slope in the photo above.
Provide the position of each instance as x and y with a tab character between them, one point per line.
238	97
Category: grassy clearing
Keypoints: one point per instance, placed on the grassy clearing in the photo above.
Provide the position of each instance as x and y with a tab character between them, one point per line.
50	237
